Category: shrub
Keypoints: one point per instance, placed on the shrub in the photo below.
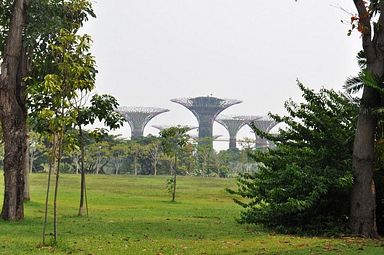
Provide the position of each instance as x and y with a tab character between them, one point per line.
303	185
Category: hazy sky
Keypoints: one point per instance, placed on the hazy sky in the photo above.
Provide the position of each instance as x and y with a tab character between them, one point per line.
150	51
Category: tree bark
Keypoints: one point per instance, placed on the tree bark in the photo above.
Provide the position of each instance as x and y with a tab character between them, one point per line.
363	205
13	114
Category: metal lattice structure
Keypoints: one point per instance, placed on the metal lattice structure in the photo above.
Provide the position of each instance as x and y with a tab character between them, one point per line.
161	127
213	138
138	117
265	124
248	119
233	124
206	109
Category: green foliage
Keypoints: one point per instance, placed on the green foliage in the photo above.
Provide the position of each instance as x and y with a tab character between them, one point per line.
174	139
169	184
302	186
102	108
74	71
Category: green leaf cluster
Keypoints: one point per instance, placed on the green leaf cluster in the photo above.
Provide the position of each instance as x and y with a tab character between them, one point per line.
102	108
303	185
73	71
173	139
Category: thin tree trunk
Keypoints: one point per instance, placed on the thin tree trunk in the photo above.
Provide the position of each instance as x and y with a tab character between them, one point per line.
13	114
58	160
77	167
155	166
58	164
82	171
27	195
174	180
31	158
51	166
86	198
135	164
98	165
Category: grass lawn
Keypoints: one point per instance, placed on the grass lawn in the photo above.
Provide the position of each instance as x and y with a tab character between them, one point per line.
134	215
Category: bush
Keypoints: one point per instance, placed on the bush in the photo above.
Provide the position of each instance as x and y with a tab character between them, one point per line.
302	185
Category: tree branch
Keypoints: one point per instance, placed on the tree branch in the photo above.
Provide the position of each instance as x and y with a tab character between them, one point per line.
378	38
365	22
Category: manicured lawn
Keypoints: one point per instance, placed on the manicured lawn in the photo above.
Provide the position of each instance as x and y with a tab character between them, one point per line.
134	215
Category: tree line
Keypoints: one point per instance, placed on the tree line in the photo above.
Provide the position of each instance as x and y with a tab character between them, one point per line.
111	154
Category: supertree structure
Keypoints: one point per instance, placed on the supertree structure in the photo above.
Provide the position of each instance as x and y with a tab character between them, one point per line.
213	138
206	108
263	123
233	125
138	117
161	127
248	119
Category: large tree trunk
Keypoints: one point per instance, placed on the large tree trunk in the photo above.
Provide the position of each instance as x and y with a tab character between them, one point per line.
363	205
13	114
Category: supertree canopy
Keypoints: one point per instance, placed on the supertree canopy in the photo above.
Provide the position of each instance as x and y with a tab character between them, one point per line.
263	123
233	125
161	127
138	117
206	109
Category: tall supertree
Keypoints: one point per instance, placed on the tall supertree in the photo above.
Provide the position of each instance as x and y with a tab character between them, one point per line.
233	125
161	127
138	117
263	123
206	109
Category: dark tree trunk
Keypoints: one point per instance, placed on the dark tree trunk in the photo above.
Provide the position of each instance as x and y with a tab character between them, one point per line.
363	205
13	114
363	219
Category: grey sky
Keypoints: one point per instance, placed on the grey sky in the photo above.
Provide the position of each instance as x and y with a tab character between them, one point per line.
150	51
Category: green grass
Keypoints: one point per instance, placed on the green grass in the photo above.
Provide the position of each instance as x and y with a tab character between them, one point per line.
134	215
